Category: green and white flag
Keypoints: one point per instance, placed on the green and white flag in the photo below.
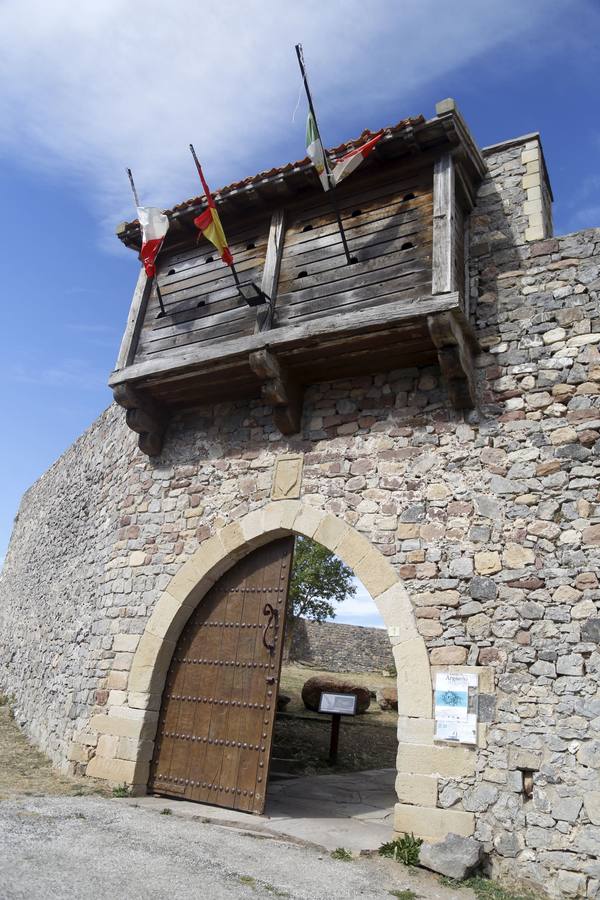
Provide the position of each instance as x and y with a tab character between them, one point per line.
315	151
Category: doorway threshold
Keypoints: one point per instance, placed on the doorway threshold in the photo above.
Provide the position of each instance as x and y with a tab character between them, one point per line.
352	810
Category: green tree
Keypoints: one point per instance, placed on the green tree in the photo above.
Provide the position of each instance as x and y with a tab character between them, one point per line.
319	579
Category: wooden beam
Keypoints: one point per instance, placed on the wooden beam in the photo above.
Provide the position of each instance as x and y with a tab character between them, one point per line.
442	275
270	278
144	416
464	188
386	316
454	346
135	320
279	390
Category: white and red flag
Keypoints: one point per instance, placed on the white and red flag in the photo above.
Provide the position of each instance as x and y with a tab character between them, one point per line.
352	160
330	176
155	225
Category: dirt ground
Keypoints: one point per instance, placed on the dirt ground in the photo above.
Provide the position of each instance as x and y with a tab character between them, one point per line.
24	772
302	738
294	676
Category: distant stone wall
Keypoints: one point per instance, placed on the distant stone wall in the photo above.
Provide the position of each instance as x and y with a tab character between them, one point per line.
341	648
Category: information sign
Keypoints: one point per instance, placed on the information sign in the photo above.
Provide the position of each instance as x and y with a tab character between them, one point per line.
456	707
342	704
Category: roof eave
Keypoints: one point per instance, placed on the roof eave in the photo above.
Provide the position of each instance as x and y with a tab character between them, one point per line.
411	138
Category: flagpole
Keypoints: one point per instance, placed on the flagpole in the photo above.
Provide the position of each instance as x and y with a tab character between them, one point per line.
236	277
136	199
336	210
250	292
155	279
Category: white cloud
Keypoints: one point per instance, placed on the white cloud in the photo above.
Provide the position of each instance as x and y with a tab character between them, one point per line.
89	88
359	610
74	374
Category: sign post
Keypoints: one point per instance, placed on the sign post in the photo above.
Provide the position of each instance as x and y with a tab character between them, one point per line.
337	705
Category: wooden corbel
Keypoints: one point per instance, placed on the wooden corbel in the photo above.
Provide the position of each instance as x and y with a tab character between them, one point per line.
455	354
144	416
279	390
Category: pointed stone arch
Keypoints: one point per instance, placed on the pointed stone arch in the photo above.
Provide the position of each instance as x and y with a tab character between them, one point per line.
127	731
229	544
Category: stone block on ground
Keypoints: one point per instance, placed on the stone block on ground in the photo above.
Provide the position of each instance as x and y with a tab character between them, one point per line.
314	687
454	857
387	697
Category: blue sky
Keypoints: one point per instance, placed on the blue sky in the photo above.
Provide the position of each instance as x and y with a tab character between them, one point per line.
86	90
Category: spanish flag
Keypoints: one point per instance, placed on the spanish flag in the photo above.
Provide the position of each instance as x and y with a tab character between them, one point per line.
209	222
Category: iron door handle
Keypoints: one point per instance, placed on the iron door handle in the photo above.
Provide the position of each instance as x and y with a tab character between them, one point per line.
273	615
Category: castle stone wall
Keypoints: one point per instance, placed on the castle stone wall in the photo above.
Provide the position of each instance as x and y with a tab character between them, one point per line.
492	519
336	647
57	615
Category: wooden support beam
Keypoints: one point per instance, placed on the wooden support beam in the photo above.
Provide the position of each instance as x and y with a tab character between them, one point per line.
454	345
144	416
178	362
442	275
465	190
135	320
270	278
279	390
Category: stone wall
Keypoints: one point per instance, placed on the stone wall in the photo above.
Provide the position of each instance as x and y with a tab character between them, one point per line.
492	519
341	648
57	614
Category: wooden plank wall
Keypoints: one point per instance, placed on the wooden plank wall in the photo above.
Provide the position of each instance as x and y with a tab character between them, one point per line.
388	223
202	303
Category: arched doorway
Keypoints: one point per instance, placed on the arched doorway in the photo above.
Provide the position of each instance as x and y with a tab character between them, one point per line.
124	757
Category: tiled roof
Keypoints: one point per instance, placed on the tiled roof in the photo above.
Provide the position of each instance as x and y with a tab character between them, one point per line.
403	125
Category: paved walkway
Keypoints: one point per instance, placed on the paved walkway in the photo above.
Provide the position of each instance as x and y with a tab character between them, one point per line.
69	848
353	810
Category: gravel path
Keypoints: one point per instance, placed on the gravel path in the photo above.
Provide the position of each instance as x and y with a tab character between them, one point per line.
70	848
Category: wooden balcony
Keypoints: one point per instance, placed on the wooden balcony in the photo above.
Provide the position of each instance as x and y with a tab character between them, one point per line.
399	303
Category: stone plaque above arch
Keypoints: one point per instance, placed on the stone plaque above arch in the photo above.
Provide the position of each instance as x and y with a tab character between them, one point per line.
287	477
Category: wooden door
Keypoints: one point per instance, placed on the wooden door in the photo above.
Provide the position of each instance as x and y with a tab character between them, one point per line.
215	729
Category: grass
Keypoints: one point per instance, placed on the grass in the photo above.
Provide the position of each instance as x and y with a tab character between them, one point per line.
249	881
166	811
293	678
121	790
25	772
306	742
367	741
484	889
275	891
342	854
404	849
404	895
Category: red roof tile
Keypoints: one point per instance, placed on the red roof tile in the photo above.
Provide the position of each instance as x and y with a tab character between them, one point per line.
340	150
